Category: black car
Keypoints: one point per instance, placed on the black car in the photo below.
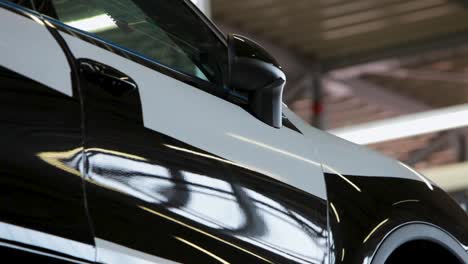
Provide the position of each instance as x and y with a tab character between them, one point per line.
134	131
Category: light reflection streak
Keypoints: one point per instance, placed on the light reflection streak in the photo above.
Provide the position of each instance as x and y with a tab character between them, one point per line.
195	179
56	159
277	150
265	201
426	181
124	166
94	24
342	254
375	229
342	177
122	187
366	260
36	19
197	217
286	253
295	156
405	201
202	250
201	154
335	212
309	224
116	153
49	24
203	232
45	241
225	161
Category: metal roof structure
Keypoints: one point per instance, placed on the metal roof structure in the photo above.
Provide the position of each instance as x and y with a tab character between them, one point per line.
343	32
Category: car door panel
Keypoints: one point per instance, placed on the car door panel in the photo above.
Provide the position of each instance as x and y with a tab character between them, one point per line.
42	213
152	157
215	125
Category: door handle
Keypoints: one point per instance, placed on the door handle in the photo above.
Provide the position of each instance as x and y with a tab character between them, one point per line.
111	80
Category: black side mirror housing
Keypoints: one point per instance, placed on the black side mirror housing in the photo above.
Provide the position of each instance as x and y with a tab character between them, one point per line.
254	71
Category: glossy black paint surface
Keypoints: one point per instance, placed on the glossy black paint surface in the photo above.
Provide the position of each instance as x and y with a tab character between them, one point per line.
154	194
37	192
103	76
24	255
157	195
363	219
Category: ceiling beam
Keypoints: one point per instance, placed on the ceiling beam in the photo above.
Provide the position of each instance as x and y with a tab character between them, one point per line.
385	98
387	37
406	126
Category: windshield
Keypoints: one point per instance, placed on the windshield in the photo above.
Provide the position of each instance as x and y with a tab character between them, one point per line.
165	31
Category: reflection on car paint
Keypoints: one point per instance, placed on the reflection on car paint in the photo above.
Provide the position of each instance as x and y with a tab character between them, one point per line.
41	199
42	243
213	203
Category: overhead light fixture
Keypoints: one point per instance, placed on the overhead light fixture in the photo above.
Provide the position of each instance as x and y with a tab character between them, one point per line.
406	126
94	24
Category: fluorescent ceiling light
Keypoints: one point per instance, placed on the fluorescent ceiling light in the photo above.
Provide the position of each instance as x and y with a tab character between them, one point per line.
94	24
406	126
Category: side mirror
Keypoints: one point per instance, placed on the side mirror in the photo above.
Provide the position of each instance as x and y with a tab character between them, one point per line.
254	71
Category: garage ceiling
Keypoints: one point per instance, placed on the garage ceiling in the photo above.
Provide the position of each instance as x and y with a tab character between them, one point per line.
417	49
344	32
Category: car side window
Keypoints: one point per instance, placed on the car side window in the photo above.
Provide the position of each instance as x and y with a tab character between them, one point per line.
165	31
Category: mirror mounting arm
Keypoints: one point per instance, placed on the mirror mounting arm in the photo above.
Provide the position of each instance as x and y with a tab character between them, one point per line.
267	102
